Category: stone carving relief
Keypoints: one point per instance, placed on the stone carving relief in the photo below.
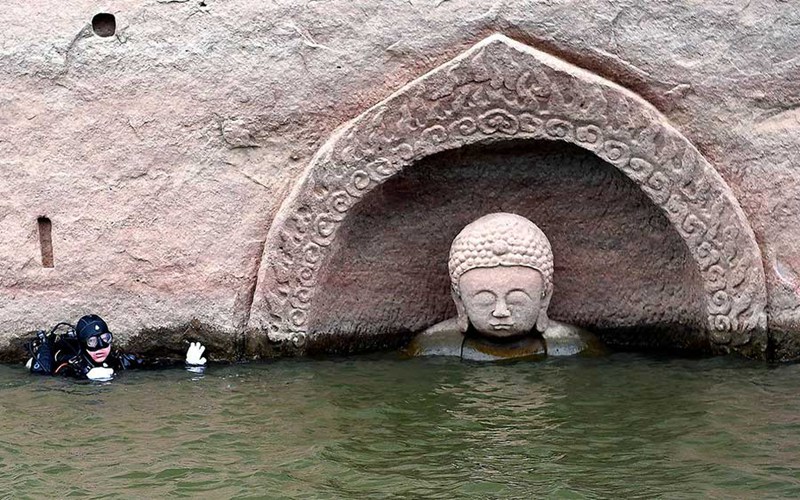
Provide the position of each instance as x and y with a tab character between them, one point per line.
500	90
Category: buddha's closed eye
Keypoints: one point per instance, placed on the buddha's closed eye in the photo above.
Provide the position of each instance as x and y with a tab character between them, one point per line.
518	297
484	298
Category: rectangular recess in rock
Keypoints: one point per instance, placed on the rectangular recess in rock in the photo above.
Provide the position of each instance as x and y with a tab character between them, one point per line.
46	241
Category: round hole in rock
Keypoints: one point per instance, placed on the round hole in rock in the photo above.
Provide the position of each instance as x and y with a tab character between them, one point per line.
104	24
621	268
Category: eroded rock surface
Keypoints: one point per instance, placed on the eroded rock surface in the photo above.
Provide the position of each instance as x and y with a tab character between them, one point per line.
162	153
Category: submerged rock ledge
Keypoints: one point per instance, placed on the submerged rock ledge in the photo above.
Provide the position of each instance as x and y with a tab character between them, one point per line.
252	345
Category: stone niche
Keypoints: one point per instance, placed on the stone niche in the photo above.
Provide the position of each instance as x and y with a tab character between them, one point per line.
651	246
620	267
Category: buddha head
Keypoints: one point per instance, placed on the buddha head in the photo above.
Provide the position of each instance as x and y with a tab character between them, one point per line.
501	275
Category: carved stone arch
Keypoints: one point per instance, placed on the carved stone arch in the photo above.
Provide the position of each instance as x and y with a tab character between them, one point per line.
499	90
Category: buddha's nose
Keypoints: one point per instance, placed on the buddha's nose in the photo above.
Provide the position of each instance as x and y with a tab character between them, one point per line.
501	310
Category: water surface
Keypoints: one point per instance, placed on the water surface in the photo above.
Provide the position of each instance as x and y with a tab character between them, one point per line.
622	426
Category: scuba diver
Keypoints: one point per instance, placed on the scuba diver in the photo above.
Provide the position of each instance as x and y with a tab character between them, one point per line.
84	352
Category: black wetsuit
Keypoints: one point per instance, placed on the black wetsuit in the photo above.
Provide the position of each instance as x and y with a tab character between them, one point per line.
71	360
78	366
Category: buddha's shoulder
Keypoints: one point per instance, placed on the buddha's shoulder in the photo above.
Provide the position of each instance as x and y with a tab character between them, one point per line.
563	339
441	339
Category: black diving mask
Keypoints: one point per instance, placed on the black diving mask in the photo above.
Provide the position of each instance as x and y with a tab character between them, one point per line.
96	342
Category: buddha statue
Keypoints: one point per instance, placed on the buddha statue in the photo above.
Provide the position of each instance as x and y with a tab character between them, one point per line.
501	277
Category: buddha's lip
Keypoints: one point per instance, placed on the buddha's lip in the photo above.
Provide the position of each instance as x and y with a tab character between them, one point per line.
502	326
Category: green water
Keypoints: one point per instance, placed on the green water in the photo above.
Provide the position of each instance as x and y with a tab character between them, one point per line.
622	426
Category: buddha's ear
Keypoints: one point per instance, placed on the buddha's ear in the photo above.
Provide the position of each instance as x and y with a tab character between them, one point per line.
462	320
542	321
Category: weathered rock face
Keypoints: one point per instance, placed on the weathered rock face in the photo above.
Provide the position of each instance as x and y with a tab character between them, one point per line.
162	154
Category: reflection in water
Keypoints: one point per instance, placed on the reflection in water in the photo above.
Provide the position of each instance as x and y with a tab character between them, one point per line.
621	426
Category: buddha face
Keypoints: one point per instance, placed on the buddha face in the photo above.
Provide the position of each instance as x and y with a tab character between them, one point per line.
503	301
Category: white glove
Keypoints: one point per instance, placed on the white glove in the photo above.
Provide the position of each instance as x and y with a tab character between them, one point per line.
193	355
100	373
29	363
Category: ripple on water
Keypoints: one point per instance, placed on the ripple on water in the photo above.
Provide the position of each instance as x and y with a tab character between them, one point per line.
623	426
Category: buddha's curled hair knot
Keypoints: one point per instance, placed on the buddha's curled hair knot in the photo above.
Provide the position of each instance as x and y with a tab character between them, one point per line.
501	239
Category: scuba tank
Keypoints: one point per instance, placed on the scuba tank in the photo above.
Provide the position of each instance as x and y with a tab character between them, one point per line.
45	348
